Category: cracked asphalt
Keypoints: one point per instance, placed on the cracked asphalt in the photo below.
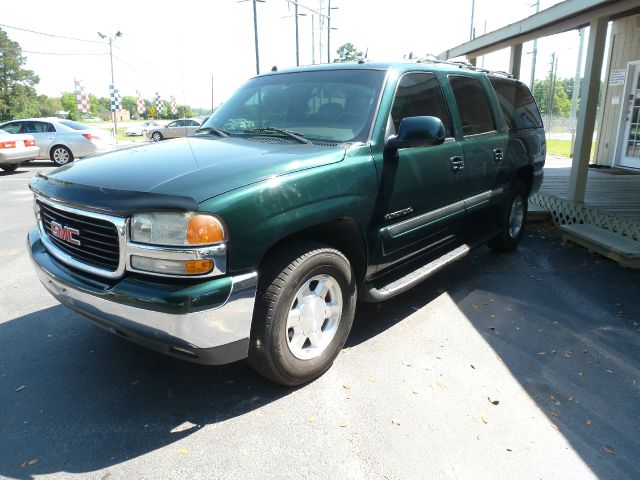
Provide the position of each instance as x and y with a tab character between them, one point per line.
524	365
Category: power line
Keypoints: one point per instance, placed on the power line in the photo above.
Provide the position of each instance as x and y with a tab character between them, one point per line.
58	53
50	34
137	58
138	71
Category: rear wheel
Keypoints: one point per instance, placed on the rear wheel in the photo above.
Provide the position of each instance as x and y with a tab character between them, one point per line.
61	155
9	168
512	220
156	137
303	315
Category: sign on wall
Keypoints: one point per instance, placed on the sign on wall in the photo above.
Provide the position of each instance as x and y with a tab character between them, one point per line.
617	76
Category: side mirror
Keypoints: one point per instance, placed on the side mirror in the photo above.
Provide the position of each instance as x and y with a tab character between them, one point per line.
417	132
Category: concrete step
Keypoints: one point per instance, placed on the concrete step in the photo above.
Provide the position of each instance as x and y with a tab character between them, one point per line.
620	249
536	214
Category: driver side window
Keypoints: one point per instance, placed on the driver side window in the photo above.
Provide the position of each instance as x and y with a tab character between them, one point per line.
420	94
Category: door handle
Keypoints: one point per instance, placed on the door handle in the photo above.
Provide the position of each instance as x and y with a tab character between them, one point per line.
498	154
457	163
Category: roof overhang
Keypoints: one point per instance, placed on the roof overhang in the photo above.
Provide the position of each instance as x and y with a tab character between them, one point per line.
564	16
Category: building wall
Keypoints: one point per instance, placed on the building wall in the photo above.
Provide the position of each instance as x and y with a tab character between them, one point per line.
624	48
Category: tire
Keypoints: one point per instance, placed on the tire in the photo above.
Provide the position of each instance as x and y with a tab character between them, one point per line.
304	311
156	137
512	220
61	155
10	168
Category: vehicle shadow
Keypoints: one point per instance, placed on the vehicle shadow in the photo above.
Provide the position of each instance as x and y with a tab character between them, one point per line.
566	325
91	400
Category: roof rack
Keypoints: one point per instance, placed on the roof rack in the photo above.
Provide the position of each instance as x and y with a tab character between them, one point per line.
460	64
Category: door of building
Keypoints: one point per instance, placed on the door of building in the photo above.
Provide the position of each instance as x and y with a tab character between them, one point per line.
630	151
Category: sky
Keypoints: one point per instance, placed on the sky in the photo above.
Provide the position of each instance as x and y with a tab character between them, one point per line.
176	48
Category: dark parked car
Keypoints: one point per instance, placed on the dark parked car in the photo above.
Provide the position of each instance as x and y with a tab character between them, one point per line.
307	190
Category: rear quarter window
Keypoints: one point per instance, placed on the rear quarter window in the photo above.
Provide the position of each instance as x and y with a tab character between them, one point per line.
518	106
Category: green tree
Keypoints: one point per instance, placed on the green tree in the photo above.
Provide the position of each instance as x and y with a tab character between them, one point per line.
17	93
130	103
348	53
69	104
185	111
48	106
561	101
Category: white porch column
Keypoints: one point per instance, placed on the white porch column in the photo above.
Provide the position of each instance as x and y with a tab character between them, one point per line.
588	106
515	59
472	60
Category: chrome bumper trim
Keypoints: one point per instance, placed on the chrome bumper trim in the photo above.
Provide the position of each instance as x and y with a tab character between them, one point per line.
202	329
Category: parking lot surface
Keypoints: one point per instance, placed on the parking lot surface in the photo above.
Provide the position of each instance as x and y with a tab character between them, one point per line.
524	365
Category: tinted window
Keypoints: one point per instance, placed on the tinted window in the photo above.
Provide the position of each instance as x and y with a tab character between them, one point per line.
13	127
419	94
38	127
518	106
75	125
473	105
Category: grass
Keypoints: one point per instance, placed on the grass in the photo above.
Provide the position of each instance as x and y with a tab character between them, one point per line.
562	148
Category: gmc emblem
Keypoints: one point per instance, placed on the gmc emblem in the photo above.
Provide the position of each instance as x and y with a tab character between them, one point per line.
65	233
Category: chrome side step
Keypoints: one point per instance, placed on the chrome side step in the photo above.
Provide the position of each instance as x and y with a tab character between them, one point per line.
369	293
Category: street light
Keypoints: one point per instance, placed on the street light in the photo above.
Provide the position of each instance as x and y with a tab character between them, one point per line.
255	31
111	40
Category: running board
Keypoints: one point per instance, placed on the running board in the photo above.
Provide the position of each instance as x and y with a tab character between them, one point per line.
369	293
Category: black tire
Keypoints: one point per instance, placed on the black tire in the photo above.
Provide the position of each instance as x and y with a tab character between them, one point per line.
61	155
282	279
10	168
156	137
509	237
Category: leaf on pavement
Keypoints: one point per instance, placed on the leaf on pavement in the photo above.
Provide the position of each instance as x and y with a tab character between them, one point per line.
607	449
230	382
415	391
182	451
589	422
346	386
542	353
441	384
20	388
28	463
493	402
485	419
135	382
343	424
395	422
572	398
555	426
372	379
554	414
312	419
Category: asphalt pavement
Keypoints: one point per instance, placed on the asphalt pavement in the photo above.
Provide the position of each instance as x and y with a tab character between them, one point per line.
524	365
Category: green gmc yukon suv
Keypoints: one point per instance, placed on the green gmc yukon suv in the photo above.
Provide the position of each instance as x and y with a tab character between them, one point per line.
309	189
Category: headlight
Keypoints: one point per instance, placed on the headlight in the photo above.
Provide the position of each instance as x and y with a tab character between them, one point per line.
176	229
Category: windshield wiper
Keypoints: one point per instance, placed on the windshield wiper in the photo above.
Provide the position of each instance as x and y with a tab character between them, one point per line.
297	136
218	131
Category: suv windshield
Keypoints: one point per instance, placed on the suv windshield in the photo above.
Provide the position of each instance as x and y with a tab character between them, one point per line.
331	105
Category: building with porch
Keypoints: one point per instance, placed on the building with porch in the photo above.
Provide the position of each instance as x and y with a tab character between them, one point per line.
618	135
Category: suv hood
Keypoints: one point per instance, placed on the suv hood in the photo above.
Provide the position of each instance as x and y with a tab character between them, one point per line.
199	168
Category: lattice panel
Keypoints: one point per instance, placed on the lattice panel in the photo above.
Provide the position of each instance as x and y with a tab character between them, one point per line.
566	212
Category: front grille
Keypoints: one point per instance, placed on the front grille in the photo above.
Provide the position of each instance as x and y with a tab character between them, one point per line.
99	245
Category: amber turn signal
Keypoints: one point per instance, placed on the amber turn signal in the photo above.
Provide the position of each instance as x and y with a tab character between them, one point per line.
197	267
204	229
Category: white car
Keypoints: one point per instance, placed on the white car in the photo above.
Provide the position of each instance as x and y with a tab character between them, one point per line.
139	129
61	140
16	149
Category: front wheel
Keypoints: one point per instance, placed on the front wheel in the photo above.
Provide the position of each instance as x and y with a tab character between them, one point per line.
156	137
303	315
512	220
61	155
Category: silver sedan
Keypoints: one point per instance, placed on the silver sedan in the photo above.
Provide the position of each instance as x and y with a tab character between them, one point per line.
178	128
16	149
61	140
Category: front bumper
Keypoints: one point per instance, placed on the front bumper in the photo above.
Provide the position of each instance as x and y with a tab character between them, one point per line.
206	322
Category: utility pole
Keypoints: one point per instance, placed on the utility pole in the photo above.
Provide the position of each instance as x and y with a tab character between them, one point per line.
329	32
255	31
473	11
313	39
321	29
113	83
295	13
576	91
211	94
552	88
534	54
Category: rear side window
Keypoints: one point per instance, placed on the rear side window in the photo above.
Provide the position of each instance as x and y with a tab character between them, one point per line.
473	105
75	125
419	94
12	127
518	106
